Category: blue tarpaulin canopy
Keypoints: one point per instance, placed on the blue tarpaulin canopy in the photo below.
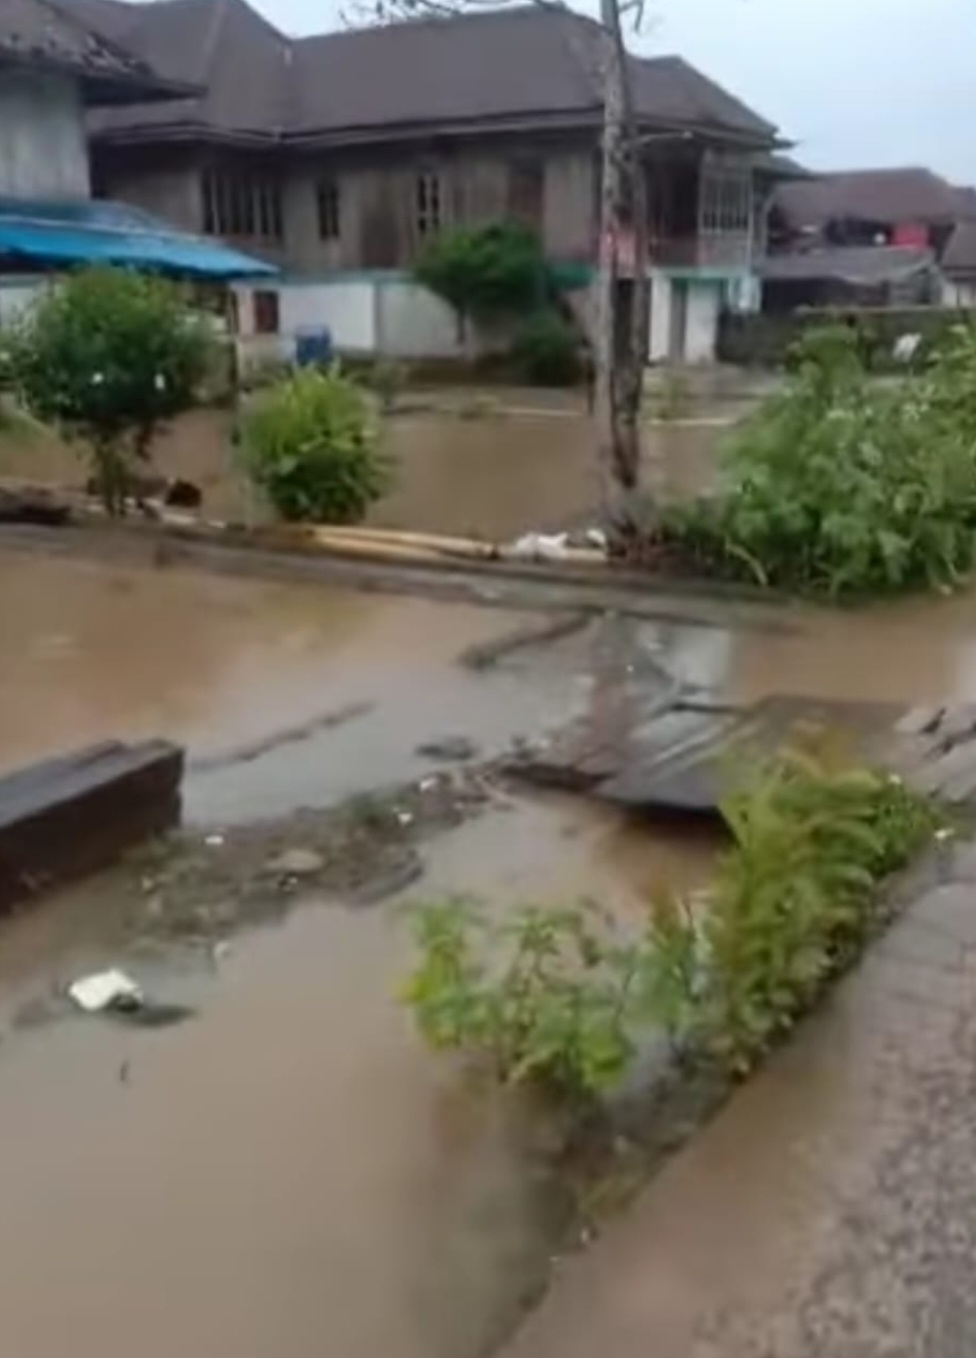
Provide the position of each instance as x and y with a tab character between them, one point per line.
58	235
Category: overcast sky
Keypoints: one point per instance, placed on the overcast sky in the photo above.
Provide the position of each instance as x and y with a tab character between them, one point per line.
853	82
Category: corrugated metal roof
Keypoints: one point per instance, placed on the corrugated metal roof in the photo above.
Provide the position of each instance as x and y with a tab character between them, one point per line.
857	265
64	234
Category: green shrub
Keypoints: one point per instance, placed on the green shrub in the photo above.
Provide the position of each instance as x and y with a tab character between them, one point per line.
541	997
108	356
793	902
839	485
485	272
308	444
546	350
560	998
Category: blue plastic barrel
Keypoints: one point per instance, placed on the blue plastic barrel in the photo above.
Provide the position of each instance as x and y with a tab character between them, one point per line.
313	346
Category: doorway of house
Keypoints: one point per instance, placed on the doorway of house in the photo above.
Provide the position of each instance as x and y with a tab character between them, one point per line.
678	322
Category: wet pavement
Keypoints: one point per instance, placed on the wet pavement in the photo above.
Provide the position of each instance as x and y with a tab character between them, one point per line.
830	1208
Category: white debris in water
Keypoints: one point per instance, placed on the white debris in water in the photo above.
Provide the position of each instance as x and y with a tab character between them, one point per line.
540	547
944	833
426	784
596	537
405	817
214	841
102	989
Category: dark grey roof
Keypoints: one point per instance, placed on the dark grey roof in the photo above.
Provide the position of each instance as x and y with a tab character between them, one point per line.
516	64
885	196
777	166
856	265
42	34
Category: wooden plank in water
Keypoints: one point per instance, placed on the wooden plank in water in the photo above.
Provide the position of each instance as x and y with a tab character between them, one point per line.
74	814
692	777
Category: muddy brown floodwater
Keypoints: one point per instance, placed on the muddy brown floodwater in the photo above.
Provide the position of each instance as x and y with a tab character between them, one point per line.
493	476
289	1170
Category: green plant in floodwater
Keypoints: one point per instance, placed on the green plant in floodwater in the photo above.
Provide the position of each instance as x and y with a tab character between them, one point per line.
107	357
308	443
558	997
793	901
840	485
543	997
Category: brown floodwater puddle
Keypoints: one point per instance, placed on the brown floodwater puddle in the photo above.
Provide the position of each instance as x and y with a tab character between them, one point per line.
494	476
290	1170
284	695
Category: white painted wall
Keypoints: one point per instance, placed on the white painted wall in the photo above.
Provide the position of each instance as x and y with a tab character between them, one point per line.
660	326
347	308
368	315
704	303
43	150
413	323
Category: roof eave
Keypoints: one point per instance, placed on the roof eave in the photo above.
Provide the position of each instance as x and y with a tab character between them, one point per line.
102	87
310	138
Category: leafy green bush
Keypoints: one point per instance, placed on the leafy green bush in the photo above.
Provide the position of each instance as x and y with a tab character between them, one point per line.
841	485
558	997
793	902
541	997
546	350
484	272
108	356
308	444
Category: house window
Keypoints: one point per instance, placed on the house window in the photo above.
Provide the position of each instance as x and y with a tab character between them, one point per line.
327	202
526	191
236	204
428	204
726	203
267	318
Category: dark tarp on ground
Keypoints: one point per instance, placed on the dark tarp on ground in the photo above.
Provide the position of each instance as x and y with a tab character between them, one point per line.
59	235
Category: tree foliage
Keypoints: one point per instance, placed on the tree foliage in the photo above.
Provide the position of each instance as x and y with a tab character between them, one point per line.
108	356
486	272
309	444
843	485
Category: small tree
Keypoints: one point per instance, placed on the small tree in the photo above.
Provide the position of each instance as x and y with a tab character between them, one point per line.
108	356
308	443
485	272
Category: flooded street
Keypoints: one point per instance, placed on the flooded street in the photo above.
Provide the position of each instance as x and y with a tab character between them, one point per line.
491	476
289	1170
334	689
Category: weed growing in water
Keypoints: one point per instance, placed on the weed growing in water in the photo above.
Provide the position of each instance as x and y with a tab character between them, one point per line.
560	998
